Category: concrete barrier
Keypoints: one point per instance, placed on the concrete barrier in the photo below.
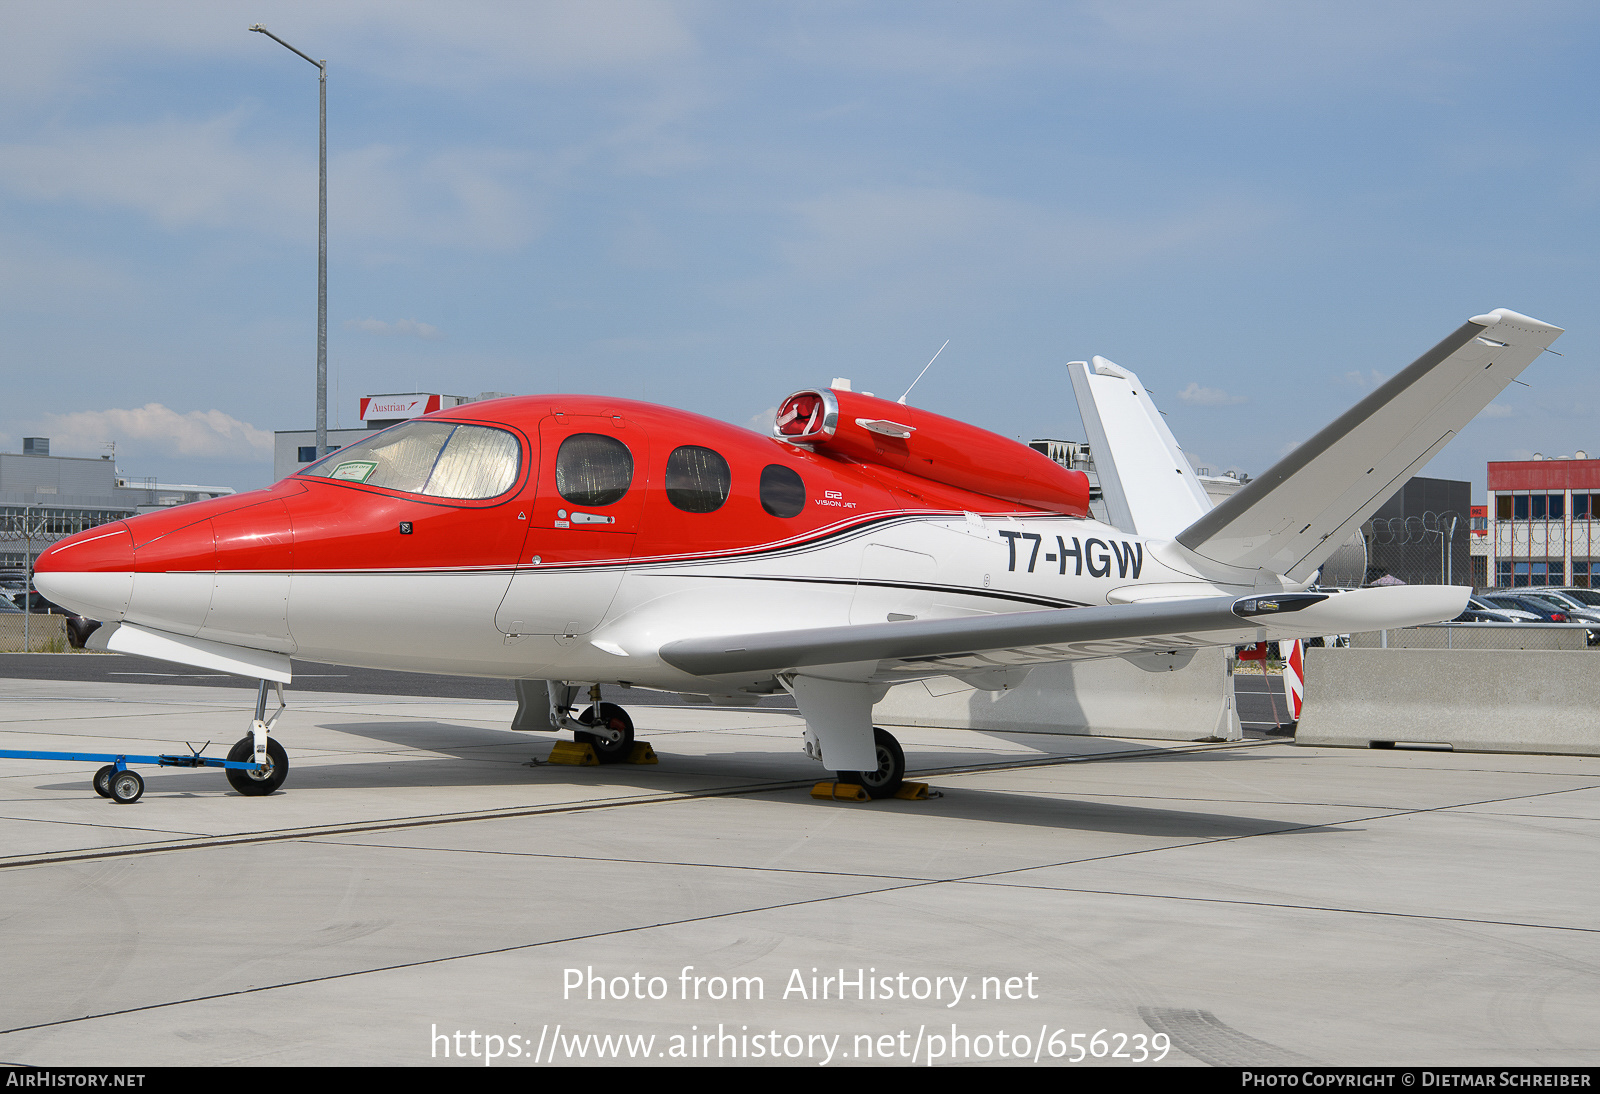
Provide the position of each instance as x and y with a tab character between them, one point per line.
1105	698
1477	636
1471	700
45	633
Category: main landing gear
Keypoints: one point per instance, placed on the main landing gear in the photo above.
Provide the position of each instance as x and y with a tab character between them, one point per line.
604	727
612	740
884	782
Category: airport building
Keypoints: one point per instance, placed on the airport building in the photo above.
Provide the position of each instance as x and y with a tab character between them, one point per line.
1542	515
44	498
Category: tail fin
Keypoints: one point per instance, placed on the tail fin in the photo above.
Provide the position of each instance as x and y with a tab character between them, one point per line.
1296	514
1135	453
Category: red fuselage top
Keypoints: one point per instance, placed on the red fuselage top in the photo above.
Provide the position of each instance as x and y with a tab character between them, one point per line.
581	480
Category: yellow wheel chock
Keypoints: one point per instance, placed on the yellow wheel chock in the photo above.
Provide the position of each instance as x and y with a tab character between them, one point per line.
582	755
850	792
840	792
571	752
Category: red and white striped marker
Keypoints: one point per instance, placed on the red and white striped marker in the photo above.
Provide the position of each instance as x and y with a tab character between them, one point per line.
1294	677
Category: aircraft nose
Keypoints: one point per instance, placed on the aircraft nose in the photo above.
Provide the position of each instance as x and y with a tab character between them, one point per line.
91	572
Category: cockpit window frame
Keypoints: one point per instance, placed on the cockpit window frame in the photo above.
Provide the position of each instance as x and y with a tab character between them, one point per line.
526	452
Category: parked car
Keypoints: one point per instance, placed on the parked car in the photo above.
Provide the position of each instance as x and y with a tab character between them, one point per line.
1504	614
38	605
1476	615
1589	598
1545	612
1576	610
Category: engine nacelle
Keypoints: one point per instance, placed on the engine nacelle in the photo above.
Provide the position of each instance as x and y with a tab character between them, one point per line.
931	446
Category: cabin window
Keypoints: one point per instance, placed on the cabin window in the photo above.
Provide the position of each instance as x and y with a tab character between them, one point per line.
698	479
783	494
593	469
437	459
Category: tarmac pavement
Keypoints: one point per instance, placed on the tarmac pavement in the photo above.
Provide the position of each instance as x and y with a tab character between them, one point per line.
1244	904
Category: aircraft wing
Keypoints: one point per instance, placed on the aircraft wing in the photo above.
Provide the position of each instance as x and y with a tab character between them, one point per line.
979	643
1302	508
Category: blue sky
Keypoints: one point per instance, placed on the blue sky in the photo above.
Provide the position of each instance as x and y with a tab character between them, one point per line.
1261	208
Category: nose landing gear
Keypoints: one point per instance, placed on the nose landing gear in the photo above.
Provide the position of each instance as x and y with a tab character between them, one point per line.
258	747
254	784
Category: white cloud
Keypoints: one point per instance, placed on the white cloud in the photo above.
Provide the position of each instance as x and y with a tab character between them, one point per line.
1208	50
458	197
156	430
1370	380
1195	395
860	230
51	50
763	422
1496	410
208	173
178	173
37	275
409	327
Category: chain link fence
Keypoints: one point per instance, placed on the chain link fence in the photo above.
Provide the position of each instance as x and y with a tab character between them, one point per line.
1426	549
25	531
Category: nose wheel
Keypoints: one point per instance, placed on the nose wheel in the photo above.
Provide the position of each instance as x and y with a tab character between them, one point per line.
891	771
253	784
611	717
263	781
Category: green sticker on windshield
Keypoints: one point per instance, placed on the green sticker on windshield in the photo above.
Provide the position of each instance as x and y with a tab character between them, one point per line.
354	471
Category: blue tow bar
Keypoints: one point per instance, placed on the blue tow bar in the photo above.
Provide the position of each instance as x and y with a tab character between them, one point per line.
115	781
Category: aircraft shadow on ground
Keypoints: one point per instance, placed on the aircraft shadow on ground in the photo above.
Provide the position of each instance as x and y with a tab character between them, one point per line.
1036	810
467	756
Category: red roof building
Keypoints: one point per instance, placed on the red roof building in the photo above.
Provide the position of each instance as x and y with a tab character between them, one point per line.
1544	515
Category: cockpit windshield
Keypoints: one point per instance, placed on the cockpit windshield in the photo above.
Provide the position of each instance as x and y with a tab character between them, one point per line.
436	459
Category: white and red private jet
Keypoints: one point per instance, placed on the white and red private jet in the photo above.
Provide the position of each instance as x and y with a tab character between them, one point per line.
577	539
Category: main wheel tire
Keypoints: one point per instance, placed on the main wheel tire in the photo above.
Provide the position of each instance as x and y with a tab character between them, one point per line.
612	717
891	773
127	787
102	780
255	784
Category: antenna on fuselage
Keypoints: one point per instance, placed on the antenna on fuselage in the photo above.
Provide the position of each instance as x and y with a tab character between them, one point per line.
925	368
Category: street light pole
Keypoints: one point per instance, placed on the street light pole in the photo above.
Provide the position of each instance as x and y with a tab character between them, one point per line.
322	242
29	531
